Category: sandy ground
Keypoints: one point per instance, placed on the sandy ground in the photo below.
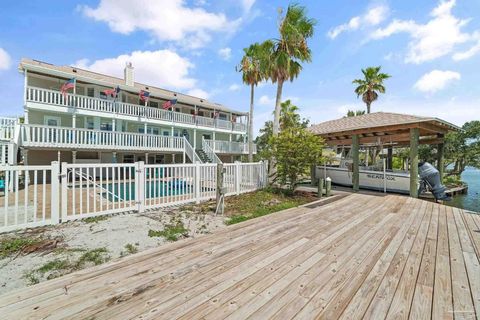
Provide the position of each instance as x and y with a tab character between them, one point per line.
113	234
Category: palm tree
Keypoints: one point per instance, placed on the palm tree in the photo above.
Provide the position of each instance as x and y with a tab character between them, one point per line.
253	68
352	113
370	85
289	51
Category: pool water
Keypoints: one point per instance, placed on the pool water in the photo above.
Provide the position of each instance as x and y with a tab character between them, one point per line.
126	191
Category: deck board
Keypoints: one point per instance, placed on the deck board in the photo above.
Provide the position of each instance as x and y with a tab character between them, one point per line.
357	257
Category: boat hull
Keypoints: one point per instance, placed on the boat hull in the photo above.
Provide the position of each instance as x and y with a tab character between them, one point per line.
372	180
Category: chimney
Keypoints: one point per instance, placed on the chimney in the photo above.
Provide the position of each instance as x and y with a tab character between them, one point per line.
128	74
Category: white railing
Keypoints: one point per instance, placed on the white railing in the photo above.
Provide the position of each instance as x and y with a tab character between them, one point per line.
209	152
39	195
108	106
219	146
29	196
190	152
7	132
8	121
62	137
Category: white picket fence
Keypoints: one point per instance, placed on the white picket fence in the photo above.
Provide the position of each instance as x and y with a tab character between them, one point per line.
33	196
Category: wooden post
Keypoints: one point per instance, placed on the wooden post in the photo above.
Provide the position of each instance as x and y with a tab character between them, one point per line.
440	159
390	158
414	136
320	188
356	162
220	190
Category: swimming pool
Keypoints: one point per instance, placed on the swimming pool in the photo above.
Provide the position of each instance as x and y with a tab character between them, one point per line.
155	189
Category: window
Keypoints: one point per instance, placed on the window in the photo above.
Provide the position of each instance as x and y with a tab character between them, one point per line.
90	123
91	92
150	130
106	126
222	116
103	95
201	113
52	121
154	104
128	158
166	133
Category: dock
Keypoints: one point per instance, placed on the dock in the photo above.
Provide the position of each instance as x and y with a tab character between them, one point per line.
360	256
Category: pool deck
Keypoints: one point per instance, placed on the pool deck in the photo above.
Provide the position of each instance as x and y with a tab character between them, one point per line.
358	257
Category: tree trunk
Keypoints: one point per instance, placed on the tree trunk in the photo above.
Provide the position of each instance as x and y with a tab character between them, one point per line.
276	129
250	124
278	102
368	107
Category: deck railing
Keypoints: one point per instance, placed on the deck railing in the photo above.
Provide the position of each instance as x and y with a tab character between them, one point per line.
108	106
61	137
219	146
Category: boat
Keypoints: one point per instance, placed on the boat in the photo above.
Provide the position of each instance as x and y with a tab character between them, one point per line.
372	177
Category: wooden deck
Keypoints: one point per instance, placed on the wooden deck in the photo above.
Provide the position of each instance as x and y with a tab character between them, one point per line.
358	257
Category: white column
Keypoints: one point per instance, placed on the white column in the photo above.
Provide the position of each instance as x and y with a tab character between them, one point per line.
214	136
114	125
59	156
146	157
25	85
74	120
74	156
230	137
184	160
195	138
173	157
172	131
114	157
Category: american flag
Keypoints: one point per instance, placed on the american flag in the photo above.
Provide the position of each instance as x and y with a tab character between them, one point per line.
144	95
70	84
234	118
216	114
168	104
112	92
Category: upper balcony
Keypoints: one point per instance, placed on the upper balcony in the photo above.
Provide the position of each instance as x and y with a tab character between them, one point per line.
133	112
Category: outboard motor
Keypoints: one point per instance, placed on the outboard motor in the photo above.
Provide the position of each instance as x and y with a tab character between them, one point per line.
430	177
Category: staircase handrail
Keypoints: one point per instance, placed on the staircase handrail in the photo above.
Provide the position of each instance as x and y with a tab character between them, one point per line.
209	152
191	152
90	179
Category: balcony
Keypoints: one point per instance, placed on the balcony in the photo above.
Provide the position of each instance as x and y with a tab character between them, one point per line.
226	147
61	137
51	97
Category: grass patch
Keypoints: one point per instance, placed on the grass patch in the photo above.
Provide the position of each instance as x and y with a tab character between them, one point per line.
171	232
60	267
95	219
130	249
95	256
260	203
11	246
54	265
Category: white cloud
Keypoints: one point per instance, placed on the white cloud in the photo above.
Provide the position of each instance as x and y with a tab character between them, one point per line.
163	68
234	87
199	93
436	38
167	20
247	4
225	53
5	60
266	101
436	80
372	17
463	55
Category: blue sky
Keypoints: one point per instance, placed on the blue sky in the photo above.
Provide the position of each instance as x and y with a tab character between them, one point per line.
431	48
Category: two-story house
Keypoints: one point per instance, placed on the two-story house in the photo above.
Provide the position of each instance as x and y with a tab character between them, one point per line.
86	125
